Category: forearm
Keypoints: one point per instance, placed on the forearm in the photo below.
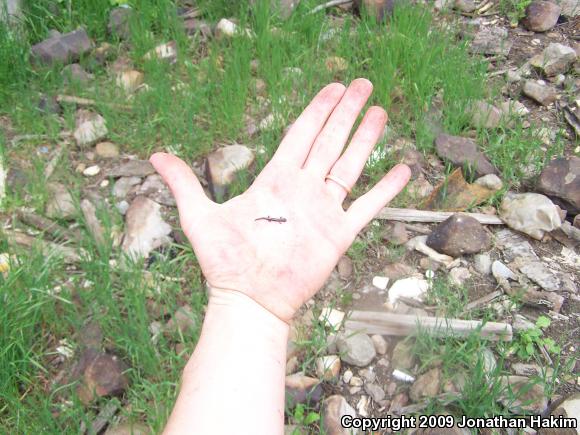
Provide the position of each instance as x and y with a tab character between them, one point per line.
240	359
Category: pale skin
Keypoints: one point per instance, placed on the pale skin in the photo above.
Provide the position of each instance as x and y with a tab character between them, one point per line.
261	272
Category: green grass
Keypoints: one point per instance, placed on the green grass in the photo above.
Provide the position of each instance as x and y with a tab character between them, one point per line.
192	106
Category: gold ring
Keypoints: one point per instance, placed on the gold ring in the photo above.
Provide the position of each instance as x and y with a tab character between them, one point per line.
338	181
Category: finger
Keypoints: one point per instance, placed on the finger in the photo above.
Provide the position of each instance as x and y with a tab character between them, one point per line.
350	165
297	143
331	140
368	205
184	185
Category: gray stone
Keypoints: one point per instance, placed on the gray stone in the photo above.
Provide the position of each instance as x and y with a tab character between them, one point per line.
132	168
561	179
459	275
530	213
75	73
356	349
334	408
541	16
376	392
523	394
521	324
501	271
155	188
541	93
570	8
489	361
61	204
119	22
128	429
482	263
485	115
145	228
491	41
427	385
555	59
90	128
490	181
542	276
467	6
397	234
403	358
462	151
65	48
381	345
123	185
379	9
459	235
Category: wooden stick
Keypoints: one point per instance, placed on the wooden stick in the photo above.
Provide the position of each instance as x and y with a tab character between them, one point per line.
69	255
329	5
48	226
410	215
374	322
87	102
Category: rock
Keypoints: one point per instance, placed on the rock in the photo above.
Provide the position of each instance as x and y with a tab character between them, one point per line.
184	321
484	115
225	28
334	408
491	41
530	213
379	9
49	105
459	235
302	389
376	392
91	171
128	429
61	204
501	271
107	150
90	128
482	263
397	234
419	188
119	22
335	64
523	395
224	163
344	267
541	93
490	181
194	26
427	385
130	80
402	357
570	8
381	282
561	179
75	73
568	407
466	6
145	228
63	48
542	276
155	188
395	271
555	59
166	52
124	185
541	16
381	345
103	377
331	317
462	151
132	168
122	207
521	324
512	108
356	349
489	361
413	288
328	367
459	275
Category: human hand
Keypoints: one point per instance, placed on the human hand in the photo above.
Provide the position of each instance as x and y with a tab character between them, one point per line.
282	265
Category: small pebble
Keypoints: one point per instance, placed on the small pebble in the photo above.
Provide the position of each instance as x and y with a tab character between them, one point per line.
104	183
91	171
381	282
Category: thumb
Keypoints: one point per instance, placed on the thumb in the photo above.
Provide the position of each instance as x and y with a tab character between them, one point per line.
184	185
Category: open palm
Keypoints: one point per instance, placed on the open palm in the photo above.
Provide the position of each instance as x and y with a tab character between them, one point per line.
282	264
